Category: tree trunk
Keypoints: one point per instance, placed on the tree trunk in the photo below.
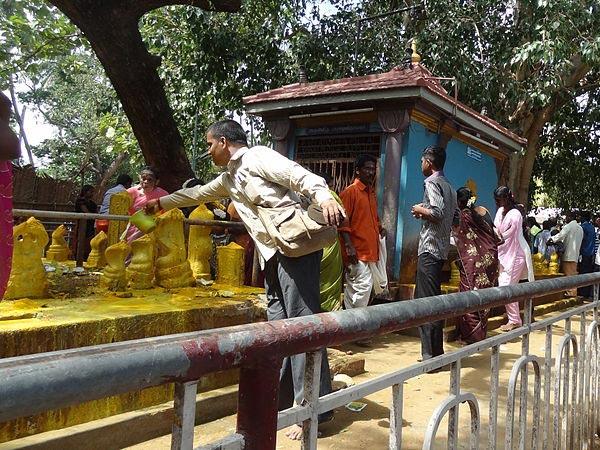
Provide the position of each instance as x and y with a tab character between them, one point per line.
111	26
532	127
532	134
19	119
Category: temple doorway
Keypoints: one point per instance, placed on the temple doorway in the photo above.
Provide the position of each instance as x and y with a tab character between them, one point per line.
335	154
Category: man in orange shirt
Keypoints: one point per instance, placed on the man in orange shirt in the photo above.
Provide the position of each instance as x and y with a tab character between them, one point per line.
362	236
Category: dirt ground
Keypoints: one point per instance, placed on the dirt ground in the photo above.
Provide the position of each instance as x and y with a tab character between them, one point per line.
369	428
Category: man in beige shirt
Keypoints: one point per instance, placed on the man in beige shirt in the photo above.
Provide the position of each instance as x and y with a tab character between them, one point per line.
260	176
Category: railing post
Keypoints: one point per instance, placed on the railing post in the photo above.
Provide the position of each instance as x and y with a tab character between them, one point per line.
257	404
453	413
579	413
493	420
185	414
395	442
547	434
524	390
312	377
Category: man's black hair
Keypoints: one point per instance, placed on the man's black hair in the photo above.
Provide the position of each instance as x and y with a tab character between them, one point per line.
230	130
531	221
85	189
570	214
586	216
361	160
436	155
124	179
192	182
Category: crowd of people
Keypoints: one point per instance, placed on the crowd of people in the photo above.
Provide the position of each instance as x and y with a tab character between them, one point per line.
349	272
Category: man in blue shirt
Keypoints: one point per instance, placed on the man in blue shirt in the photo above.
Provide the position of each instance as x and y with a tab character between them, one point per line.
123	183
586	264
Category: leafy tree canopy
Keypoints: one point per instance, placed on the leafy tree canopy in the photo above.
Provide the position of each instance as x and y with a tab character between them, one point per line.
532	66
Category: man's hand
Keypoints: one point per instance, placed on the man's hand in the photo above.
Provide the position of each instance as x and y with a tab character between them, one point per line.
333	213
351	253
152	207
382	232
418	210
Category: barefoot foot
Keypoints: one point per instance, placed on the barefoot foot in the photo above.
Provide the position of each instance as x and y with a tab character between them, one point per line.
294	432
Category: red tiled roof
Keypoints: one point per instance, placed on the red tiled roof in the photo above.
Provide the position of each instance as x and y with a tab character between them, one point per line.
398	77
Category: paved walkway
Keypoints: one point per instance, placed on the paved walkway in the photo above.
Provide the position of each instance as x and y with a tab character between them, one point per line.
368	430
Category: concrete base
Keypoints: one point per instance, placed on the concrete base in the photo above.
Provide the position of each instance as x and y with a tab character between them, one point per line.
44	325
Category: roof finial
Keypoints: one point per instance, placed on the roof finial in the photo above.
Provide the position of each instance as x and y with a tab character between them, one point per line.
302	77
415	57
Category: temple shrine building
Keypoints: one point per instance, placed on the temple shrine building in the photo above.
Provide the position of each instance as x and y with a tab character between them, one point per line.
325	125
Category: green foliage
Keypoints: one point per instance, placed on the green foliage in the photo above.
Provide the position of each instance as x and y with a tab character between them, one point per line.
46	54
515	60
210	61
569	162
91	129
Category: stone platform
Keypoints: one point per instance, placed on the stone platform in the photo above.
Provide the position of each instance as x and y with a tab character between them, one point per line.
44	325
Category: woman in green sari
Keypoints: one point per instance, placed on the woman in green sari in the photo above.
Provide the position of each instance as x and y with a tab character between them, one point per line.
332	268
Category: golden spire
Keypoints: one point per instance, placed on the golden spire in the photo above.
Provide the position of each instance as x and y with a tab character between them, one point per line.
415	57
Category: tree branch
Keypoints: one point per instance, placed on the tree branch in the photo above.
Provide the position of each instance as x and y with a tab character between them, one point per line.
141	7
22	135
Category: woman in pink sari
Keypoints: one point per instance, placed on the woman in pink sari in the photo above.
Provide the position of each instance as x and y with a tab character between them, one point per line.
140	194
9	149
509	223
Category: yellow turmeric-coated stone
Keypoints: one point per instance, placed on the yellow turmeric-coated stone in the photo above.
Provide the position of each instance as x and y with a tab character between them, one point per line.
114	274
28	276
58	250
554	267
230	264
140	272
454	274
96	258
540	266
200	243
172	269
119	205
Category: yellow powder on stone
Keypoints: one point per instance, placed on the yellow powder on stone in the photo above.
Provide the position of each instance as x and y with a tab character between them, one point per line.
230	264
200	244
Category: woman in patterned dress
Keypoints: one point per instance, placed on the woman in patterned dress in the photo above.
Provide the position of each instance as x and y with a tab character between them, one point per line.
9	150
477	245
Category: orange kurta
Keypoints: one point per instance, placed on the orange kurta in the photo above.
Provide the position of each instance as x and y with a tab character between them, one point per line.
362	220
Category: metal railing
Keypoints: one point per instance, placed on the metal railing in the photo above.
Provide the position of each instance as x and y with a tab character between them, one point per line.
37	383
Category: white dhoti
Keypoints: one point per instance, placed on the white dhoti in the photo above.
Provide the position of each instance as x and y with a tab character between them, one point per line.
365	278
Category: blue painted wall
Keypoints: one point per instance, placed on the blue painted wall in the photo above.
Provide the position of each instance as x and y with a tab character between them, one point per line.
479	168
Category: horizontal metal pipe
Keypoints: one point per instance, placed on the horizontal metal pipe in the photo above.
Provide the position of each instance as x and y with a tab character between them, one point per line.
77	375
76	216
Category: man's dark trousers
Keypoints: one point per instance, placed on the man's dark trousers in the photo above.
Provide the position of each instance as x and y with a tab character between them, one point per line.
586	266
292	288
428	283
